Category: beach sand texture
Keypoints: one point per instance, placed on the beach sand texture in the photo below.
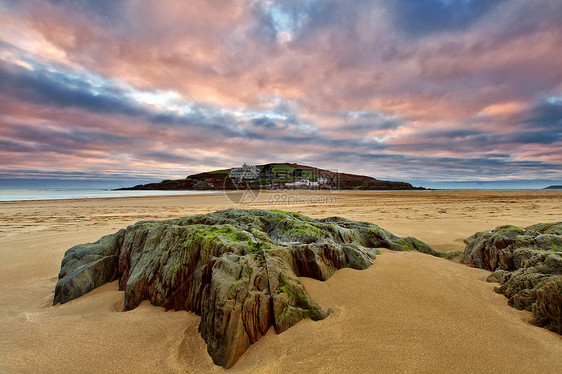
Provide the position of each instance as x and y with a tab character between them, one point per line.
409	312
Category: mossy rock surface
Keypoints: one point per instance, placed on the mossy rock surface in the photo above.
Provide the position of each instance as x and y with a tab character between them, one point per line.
527	262
237	269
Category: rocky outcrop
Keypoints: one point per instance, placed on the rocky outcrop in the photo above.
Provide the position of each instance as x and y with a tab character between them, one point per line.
528	265
237	269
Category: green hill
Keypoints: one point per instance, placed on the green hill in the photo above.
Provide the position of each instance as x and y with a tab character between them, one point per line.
277	176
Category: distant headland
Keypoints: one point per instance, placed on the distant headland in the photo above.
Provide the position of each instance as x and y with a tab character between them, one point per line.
554	187
275	176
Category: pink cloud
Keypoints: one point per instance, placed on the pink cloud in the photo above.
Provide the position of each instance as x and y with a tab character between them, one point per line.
480	80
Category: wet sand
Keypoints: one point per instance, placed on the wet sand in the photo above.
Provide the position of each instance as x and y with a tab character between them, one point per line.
409	312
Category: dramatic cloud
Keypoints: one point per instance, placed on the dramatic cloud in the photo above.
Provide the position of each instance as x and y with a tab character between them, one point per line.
409	90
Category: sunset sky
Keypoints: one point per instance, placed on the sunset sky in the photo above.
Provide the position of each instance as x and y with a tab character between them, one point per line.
417	91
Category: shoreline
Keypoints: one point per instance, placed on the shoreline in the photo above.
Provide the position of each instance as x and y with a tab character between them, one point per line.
87	193
170	193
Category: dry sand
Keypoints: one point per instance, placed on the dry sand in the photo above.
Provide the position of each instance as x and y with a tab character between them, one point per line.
409	312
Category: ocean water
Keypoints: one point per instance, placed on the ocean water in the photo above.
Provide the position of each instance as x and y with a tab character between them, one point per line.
18	194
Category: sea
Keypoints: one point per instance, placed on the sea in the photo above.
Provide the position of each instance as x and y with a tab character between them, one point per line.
19	194
17	190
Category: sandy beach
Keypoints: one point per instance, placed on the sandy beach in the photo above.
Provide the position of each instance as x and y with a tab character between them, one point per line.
409	312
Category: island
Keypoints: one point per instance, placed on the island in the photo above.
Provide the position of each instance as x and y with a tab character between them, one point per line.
275	176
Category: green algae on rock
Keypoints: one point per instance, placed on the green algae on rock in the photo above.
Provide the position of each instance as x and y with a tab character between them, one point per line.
237	269
528	265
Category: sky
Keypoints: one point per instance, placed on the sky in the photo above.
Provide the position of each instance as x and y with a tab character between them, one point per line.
413	90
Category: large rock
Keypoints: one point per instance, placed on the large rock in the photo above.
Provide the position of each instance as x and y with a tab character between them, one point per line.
237	269
528	265
87	266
